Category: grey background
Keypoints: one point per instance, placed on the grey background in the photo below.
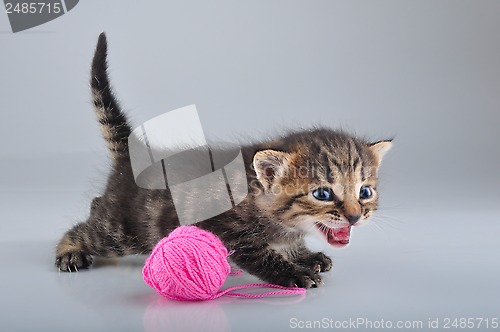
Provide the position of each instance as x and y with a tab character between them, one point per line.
426	72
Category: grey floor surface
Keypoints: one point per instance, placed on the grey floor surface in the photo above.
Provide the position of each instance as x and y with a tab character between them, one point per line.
401	267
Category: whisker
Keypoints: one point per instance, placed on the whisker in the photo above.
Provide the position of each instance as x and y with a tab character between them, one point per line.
390	223
386	216
376	226
385	223
395	207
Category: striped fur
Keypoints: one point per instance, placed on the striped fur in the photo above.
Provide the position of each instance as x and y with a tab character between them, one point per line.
114	125
265	231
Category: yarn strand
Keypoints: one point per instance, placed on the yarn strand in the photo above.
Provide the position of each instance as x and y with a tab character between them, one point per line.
284	291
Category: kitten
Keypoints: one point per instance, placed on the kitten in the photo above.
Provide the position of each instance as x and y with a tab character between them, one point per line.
315	181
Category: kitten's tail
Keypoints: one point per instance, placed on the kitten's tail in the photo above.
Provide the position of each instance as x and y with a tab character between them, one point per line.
113	122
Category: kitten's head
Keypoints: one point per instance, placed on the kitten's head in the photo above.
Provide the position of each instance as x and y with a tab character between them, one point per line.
320	182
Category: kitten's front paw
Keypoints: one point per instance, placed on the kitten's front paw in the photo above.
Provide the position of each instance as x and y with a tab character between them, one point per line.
304	278
324	261
73	261
318	262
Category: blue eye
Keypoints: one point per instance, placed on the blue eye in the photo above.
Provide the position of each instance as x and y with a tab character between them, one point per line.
323	194
365	192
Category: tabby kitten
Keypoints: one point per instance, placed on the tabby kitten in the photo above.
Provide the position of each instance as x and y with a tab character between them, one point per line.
316	181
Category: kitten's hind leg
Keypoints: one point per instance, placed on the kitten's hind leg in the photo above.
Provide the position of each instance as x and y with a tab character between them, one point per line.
79	244
72	253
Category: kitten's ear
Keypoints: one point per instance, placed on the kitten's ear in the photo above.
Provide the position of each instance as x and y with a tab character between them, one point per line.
380	148
270	165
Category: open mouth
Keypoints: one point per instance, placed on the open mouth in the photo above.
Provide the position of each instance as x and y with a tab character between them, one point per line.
338	237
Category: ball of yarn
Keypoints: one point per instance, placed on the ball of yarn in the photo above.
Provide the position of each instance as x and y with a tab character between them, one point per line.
188	264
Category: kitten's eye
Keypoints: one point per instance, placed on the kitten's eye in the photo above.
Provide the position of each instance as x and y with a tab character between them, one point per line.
365	192
323	194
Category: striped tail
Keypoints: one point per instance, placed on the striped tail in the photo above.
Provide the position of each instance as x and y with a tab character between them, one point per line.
113	122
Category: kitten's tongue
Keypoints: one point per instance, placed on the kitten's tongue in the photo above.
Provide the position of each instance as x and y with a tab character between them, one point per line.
337	235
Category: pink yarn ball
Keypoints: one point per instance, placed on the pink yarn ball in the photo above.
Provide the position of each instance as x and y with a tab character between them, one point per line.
188	264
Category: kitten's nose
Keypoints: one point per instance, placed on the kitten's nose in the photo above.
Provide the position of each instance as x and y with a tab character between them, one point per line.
352	218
